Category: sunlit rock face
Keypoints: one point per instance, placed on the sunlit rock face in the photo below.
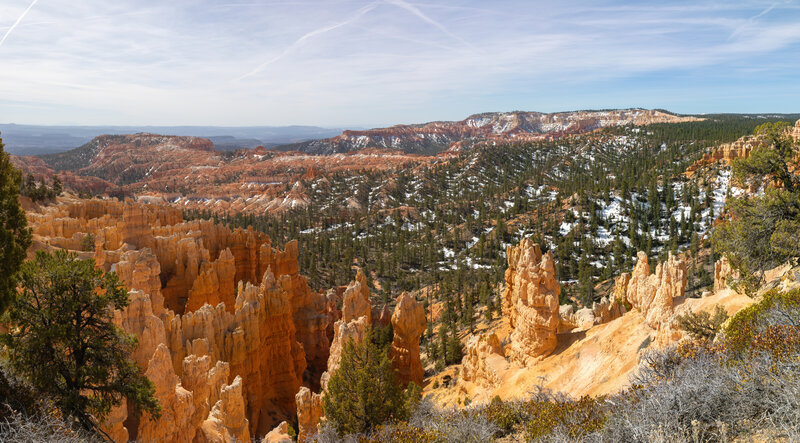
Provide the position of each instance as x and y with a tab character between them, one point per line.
483	356
309	411
653	294
408	322
356	320
531	301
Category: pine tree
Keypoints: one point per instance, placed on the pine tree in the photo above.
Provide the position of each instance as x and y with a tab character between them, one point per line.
65	342
363	392
454	348
15	237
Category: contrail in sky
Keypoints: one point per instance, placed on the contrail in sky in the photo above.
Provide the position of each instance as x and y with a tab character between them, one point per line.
749	21
17	22
414	10
307	36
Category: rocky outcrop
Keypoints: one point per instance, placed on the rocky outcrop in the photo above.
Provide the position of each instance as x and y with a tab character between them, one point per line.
356	319
354	330
177	403
607	309
214	283
381	316
140	318
227	423
723	274
796	130
484	360
653	294
309	411
531	301
569	319
278	435
141	271
621	287
726	153
258	341
355	301
603	312
114	424
408	322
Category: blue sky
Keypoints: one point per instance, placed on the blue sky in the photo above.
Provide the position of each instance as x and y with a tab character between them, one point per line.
374	63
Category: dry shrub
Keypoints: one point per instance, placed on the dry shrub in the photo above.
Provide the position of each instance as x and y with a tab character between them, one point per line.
19	428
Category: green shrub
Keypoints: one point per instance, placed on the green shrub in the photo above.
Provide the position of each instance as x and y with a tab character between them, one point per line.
775	308
505	415
576	418
87	243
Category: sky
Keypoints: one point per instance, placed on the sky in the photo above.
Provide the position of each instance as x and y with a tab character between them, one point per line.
343	63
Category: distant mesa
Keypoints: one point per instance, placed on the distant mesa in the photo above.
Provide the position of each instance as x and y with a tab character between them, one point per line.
487	128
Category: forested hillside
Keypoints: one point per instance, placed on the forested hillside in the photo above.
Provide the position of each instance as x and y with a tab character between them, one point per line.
594	200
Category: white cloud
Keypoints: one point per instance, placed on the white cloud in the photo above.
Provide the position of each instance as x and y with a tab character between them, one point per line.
354	62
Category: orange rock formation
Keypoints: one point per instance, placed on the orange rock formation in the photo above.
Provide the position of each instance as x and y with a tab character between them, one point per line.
309	411
227	326
531	301
654	294
408	322
278	435
483	360
356	320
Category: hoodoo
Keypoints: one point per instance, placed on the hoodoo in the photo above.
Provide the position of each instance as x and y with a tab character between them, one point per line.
408	322
531	300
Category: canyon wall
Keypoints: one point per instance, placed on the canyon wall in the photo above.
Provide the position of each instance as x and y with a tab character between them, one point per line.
228	329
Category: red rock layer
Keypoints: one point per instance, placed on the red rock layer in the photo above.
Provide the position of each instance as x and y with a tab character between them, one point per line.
496	128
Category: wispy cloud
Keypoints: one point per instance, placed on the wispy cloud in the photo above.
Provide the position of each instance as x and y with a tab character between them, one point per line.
751	20
24	13
414	10
364	62
300	41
